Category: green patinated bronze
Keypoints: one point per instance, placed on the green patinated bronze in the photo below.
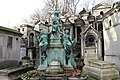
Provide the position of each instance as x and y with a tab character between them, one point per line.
56	46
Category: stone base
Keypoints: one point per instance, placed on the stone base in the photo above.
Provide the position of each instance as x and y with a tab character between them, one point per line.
55	77
51	70
68	67
42	67
54	68
100	70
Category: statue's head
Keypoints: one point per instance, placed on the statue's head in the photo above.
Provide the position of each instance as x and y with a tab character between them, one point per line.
66	31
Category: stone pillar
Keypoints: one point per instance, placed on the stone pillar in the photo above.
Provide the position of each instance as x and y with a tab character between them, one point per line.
99	49
71	32
76	34
30	54
82	45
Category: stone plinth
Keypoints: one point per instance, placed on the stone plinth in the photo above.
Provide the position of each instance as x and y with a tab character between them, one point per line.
54	68
100	70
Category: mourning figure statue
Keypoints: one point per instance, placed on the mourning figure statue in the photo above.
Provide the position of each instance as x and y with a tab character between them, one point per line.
43	44
67	43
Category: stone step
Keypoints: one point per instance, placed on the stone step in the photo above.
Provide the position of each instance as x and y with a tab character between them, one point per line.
54	78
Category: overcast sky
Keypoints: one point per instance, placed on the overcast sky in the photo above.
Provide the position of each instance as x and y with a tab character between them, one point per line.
13	12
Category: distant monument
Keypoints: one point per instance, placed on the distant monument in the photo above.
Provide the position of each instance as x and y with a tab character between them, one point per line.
55	48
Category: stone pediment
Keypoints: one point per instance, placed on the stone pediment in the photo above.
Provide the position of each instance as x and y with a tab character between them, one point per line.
79	22
67	22
63	18
90	28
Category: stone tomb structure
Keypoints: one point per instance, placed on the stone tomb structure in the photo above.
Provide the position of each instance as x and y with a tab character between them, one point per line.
100	70
56	48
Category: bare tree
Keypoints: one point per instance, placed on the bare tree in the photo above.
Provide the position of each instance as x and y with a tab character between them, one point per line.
73	5
65	6
36	16
110	1
87	4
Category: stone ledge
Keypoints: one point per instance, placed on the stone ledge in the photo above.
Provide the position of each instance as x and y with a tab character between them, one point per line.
14	73
100	64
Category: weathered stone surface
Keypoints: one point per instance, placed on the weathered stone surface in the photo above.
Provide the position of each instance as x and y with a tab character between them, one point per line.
8	64
101	70
14	73
54	67
100	64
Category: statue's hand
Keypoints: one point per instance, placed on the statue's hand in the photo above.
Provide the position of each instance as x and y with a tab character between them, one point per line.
73	42
41	44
